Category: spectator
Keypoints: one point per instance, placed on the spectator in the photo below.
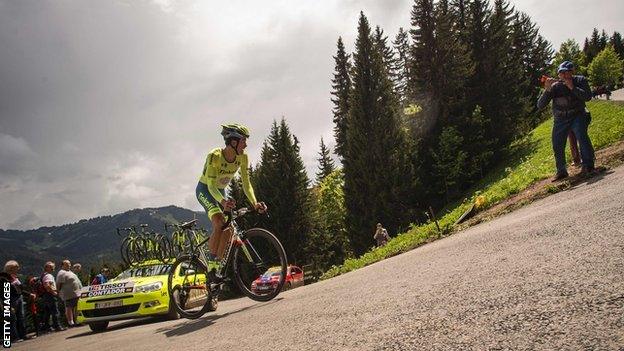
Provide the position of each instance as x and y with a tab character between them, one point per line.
49	298
101	278
381	235
568	94
77	268
17	317
69	287
31	303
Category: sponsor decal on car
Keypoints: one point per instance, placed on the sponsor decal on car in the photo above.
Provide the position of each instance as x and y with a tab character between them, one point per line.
107	289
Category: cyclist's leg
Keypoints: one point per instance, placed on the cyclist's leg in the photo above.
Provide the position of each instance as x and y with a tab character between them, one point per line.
217	234
224	240
214	212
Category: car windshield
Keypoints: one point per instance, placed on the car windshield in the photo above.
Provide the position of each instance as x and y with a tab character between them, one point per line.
146	271
268	274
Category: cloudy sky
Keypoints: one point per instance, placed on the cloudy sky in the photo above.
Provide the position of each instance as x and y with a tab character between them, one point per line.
111	105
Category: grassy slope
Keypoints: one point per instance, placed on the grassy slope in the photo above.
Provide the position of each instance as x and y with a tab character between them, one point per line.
530	160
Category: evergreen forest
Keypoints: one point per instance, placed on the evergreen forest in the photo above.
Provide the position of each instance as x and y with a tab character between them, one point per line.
418	119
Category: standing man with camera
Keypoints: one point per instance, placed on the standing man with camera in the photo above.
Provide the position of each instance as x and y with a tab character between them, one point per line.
568	94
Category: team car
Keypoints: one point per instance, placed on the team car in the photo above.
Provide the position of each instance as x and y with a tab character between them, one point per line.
268	281
140	291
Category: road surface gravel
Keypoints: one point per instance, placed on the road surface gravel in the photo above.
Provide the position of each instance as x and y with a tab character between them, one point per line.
549	276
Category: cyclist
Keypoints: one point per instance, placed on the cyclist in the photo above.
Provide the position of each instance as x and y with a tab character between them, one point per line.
219	169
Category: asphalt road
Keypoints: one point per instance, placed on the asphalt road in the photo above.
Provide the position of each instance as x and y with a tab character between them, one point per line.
549	276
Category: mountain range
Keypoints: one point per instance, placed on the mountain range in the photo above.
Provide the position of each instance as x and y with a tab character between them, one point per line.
92	242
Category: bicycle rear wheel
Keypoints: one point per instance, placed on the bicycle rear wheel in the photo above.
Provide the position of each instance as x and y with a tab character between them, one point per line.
259	265
189	289
123	251
165	250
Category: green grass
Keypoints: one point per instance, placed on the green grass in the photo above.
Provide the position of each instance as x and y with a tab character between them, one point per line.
529	160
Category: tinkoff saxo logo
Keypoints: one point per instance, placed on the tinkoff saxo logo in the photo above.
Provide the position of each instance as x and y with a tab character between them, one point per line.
6	315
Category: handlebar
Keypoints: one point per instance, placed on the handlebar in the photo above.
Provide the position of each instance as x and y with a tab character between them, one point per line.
233	214
185	225
132	229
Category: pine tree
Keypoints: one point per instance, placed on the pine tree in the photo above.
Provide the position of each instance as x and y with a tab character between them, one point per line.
454	68
479	149
592	45
476	26
503	104
375	141
402	46
282	183
530	56
618	44
329	244
449	160
380	41
603	41
341	87
459	11
423	87
326	164
422	67
586	49
538	63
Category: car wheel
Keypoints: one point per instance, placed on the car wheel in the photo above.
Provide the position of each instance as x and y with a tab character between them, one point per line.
173	313
98	326
214	303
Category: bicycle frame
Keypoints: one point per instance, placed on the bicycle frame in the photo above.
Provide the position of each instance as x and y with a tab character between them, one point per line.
237	236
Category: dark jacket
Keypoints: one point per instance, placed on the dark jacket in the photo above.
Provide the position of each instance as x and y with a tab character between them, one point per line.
566	103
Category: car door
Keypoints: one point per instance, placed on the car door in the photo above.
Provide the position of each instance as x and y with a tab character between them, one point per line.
297	275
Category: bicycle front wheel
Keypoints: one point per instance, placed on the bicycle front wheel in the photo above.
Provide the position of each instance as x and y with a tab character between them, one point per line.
259	265
189	289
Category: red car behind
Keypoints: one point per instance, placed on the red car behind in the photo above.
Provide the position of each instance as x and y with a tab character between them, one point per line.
268	281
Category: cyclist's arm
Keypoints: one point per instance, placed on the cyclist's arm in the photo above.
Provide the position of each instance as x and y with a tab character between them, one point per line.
210	174
247	188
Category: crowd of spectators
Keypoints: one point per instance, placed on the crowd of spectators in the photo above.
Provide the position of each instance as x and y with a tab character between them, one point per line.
39	298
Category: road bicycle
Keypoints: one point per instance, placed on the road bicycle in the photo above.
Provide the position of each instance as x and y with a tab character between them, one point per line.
138	246
184	236
254	259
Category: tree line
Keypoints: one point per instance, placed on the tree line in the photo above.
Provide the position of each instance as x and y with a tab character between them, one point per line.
418	120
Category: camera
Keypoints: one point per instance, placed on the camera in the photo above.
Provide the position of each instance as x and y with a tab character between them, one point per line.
544	78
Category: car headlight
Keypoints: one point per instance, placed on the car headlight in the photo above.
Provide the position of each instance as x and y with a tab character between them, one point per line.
149	287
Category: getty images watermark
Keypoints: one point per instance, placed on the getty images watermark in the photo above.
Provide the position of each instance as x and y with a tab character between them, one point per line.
6	315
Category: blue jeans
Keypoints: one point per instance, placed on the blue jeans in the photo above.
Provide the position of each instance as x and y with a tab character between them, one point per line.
561	127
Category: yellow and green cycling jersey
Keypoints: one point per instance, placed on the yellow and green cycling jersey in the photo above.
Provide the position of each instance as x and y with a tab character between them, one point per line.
218	173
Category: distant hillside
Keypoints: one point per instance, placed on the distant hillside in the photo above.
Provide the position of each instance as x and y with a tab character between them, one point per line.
89	241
